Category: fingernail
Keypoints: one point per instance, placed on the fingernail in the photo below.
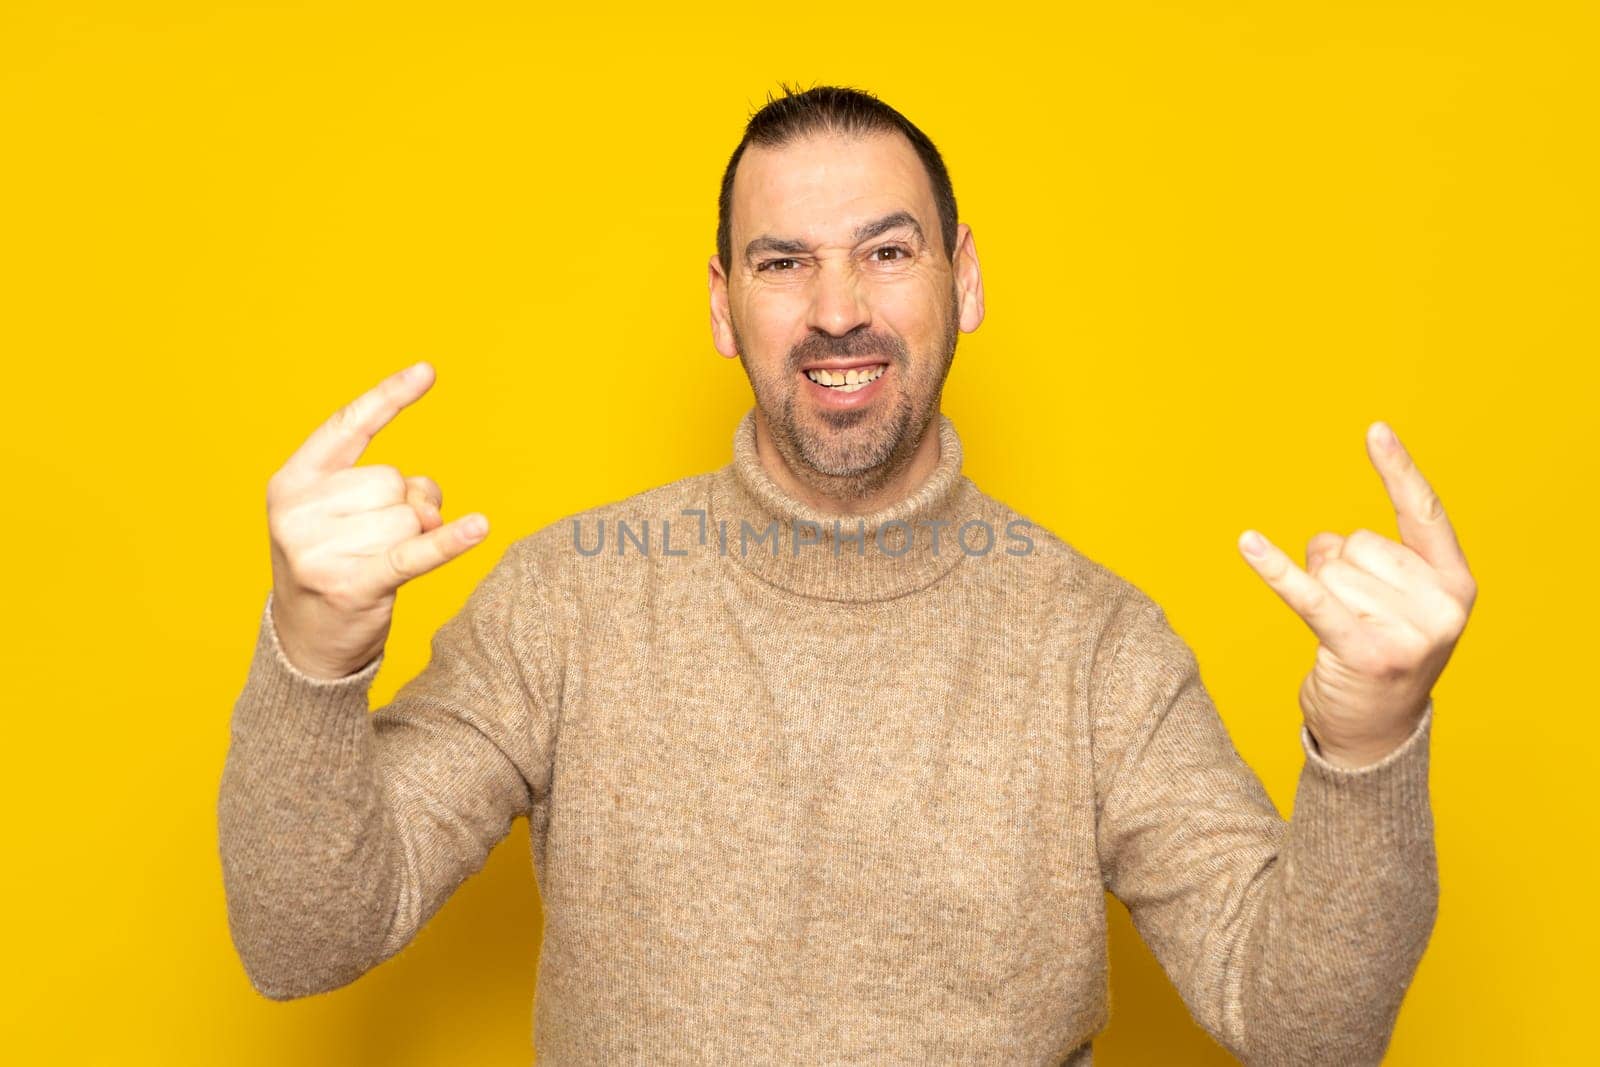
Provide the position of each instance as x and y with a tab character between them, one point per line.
1383	435
475	527
1253	544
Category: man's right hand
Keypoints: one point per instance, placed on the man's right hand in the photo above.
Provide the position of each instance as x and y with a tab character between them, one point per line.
345	538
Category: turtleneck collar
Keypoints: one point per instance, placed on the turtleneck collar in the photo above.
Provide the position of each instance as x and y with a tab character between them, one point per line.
900	548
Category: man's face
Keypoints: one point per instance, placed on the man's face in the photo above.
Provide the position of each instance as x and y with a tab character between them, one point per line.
839	267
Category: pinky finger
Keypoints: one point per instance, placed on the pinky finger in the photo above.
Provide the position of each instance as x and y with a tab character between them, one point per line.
1334	624
418	555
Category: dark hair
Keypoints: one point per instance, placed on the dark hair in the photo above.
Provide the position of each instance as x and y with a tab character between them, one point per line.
832	109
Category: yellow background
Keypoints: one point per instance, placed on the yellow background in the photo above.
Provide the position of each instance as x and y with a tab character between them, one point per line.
1218	240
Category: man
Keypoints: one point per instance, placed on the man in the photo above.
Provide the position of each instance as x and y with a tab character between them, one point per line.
827	755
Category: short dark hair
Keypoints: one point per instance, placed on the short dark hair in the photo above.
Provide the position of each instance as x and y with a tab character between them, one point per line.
832	109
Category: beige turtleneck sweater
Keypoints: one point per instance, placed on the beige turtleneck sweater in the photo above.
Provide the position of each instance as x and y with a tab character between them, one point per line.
842	802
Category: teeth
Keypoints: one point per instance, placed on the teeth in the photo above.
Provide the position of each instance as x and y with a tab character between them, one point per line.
847	381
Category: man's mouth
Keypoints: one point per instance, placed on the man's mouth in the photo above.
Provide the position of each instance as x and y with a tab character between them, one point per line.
849	380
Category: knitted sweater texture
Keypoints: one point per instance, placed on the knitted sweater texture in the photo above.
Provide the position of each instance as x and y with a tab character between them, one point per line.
801	792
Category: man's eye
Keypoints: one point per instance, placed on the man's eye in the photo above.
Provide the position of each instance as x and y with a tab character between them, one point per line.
902	253
772	263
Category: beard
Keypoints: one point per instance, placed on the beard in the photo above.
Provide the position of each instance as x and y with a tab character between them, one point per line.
853	453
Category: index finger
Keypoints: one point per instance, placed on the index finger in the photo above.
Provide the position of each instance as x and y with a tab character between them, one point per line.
1424	527
339	442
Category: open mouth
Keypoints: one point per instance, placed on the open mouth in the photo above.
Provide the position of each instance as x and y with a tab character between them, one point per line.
848	381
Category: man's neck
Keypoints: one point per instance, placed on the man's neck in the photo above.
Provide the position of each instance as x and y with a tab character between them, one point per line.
840	498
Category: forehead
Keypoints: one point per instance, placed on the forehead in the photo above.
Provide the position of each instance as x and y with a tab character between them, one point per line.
820	187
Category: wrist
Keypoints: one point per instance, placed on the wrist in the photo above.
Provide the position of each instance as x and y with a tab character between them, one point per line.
1354	758
301	656
1360	753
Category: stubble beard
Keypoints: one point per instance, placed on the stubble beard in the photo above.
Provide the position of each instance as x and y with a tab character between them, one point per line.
853	454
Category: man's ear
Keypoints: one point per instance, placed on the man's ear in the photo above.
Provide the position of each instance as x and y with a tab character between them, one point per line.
969	279
721	318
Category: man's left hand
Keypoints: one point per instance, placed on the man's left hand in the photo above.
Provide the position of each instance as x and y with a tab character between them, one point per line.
1387	615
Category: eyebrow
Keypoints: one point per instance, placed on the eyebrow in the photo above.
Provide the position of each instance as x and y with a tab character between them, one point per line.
865	232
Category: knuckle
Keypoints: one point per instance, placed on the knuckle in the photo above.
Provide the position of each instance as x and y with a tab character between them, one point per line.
344	419
396	559
277	530
1337	568
388	477
1363	538
282	488
1400	654
286	526
1395	657
407	522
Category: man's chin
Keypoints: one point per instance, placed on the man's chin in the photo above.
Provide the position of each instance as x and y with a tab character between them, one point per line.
841	424
851	451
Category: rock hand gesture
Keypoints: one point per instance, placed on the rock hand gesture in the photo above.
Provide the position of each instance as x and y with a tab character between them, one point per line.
1387	615
345	538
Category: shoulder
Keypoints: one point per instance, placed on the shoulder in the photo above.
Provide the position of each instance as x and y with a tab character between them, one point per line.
1047	562
1081	600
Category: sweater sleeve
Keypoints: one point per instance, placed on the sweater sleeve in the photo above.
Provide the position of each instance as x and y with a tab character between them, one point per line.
342	832
1290	943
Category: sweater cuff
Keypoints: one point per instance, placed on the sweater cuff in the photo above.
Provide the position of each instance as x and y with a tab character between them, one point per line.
300	723
359	679
1388	798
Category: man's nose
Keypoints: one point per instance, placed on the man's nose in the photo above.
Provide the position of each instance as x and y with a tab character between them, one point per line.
837	303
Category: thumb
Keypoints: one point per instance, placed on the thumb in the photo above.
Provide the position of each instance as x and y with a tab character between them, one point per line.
425	499
426	489
1321	548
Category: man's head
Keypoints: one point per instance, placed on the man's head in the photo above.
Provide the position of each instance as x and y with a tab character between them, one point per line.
838	249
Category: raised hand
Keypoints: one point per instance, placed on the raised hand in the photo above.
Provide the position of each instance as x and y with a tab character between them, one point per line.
345	538
1387	615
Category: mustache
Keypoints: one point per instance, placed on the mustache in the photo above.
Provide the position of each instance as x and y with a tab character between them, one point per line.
824	346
